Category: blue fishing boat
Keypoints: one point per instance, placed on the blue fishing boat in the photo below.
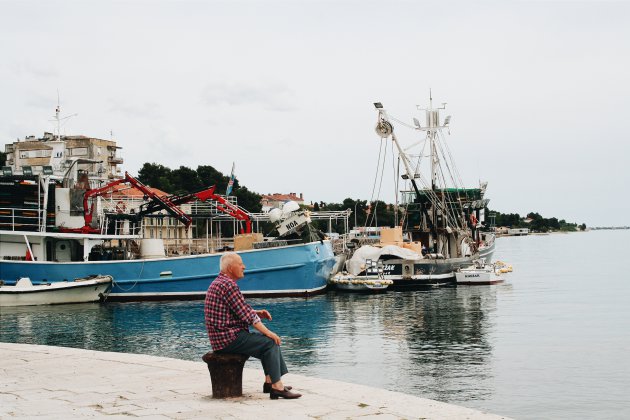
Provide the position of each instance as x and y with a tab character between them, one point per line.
62	216
289	270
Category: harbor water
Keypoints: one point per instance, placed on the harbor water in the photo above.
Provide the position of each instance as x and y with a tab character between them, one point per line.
550	343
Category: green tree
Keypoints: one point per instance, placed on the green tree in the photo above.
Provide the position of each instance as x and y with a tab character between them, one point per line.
505	219
156	176
247	199
3	158
185	180
210	176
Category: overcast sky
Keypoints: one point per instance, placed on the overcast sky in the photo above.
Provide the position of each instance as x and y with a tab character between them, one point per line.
538	91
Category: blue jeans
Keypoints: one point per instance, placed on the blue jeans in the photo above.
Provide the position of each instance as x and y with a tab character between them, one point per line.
260	347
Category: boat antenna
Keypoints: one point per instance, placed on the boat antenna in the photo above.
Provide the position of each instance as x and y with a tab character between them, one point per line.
57	118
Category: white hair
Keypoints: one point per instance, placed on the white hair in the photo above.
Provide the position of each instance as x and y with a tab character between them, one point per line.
226	260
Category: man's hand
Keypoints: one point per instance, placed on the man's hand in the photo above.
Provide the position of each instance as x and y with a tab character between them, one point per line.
264	314
274	337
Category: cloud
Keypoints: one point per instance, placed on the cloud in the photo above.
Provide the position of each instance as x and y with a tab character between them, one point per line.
149	110
271	96
37	70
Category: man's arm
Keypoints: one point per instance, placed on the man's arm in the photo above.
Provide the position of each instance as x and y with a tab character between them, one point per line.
267	332
237	304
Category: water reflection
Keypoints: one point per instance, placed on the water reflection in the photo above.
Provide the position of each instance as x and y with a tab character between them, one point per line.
434	344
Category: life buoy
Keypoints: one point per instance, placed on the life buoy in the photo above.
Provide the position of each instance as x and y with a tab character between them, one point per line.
473	219
120	207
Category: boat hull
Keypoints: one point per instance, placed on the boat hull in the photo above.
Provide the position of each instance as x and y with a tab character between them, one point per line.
425	273
486	252
477	277
293	270
81	291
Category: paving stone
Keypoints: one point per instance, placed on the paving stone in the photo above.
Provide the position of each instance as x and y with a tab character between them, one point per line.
75	383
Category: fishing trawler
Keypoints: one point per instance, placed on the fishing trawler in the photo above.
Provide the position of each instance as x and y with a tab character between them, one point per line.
60	219
439	230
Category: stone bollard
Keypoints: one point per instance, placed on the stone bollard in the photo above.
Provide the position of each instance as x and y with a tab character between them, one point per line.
226	373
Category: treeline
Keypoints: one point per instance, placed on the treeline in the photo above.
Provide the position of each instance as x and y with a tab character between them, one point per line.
185	180
378	213
534	222
364	213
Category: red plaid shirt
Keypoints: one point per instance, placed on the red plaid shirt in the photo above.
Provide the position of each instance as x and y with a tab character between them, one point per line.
226	312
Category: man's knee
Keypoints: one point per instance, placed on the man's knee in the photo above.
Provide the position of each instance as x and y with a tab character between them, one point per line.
268	347
268	344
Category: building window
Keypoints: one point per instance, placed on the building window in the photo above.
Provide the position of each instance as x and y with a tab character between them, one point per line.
27	154
79	151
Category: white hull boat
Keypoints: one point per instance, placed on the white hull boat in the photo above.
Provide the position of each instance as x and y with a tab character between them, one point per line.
25	293
478	274
369	283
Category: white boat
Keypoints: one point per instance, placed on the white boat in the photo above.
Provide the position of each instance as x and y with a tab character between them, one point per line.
479	273
25	293
351	283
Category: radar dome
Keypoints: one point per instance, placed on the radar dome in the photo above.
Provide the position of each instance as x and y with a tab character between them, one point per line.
290	207
275	215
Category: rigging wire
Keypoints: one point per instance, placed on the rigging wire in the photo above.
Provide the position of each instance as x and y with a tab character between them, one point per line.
378	165
442	153
396	175
401	122
381	168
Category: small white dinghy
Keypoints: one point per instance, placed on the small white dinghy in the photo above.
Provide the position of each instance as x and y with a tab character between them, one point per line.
479	273
370	283
25	293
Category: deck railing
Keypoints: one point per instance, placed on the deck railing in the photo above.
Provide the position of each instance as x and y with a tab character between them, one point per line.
18	219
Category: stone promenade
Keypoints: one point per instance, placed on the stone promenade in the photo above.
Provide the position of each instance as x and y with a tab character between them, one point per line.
45	382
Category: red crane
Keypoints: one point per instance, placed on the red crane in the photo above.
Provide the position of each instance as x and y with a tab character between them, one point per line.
169	203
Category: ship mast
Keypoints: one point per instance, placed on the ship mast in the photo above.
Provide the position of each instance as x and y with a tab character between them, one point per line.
385	129
432	128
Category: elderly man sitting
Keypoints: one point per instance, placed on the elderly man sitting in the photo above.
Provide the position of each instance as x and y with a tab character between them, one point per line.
228	318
